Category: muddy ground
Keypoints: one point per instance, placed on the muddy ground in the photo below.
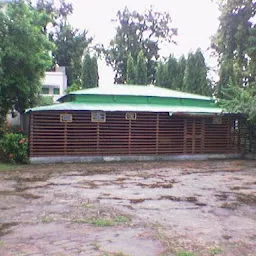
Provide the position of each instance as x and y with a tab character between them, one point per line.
136	209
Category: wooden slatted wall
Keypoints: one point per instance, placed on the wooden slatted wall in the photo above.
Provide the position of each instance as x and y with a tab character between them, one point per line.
150	133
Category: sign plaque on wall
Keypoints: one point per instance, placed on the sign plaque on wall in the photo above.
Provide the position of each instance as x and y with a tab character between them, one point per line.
66	118
98	116
130	116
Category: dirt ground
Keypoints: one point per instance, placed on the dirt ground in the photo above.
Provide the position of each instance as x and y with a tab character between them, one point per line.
136	209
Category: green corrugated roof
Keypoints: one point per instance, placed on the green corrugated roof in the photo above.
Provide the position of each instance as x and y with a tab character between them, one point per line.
138	90
127	107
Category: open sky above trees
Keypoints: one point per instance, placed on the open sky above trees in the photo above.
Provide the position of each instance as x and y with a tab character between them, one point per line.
196	21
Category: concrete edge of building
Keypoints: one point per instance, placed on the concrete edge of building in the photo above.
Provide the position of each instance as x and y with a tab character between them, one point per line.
98	159
250	156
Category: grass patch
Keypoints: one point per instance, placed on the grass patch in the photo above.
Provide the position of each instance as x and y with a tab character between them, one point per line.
215	251
122	219
7	167
103	222
115	254
47	219
185	253
87	205
1	243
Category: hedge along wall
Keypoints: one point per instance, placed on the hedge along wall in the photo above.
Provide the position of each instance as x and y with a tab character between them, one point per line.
123	133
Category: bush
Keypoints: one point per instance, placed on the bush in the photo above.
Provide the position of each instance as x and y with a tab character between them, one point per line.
15	147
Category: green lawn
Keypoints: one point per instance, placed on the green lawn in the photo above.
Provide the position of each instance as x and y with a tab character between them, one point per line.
8	167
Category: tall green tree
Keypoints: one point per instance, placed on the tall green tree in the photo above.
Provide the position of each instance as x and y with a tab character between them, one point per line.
170	73
24	55
195	77
162	76
90	76
70	46
135	32
181	72
57	10
141	69
70	42
235	44
131	70
172	66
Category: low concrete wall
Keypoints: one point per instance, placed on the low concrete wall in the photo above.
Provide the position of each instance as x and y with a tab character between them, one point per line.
250	156
90	159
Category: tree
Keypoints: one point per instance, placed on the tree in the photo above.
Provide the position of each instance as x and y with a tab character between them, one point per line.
58	11
70	46
74	87
195	77
131	70
235	44
90	77
141	70
162	75
44	101
181	72
70	42
24	56
170	73
136	32
172	67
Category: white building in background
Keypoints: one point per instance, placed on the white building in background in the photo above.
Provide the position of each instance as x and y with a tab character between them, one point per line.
54	83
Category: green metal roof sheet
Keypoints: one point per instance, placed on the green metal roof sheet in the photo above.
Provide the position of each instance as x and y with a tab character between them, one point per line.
127	107
137	90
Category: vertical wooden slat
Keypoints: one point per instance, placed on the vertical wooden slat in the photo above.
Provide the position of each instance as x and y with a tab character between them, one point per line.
130	137
202	135
65	138
193	135
185	136
157	132
31	134
98	139
238	149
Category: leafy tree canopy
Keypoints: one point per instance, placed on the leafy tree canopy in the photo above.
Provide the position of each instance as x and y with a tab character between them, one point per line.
70	42
70	46
141	69
90	75
131	70
235	45
24	55
137	32
195	77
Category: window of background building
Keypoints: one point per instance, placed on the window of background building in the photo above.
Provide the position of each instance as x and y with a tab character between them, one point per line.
45	90
56	91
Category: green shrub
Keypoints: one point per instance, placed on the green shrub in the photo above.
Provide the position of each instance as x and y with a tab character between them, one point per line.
15	147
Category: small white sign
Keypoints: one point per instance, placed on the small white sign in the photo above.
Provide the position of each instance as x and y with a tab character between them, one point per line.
98	116
130	116
66	118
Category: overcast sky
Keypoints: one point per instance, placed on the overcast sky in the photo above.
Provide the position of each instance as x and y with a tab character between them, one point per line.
196	20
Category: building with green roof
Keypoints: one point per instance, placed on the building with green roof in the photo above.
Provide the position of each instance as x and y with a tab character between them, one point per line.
132	122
